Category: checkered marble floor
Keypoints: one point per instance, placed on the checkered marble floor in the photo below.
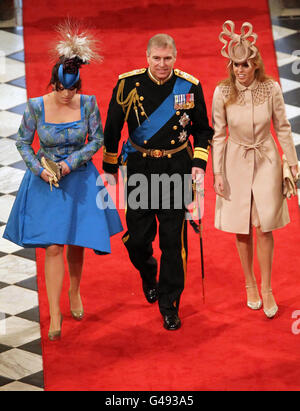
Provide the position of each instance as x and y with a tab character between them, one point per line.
21	365
286	33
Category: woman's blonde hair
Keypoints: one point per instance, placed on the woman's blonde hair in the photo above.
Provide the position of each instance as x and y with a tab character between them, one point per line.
259	75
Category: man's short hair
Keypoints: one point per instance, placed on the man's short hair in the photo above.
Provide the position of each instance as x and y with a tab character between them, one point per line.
161	40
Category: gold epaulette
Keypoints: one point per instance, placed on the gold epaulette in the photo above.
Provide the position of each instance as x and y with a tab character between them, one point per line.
132	73
186	76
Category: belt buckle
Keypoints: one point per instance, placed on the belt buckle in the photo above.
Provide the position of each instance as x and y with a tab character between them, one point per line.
157	153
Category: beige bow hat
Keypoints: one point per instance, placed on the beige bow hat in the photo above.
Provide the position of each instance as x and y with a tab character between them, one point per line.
240	48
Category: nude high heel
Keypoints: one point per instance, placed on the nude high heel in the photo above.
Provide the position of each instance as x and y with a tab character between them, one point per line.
55	335
76	314
254	305
271	312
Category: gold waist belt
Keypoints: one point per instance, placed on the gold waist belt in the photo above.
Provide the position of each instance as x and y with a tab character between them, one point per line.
156	153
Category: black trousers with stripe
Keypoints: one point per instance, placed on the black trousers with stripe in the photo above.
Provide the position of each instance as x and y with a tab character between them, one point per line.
143	224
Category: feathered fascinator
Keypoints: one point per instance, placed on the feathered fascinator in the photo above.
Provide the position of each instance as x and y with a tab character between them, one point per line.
240	48
74	48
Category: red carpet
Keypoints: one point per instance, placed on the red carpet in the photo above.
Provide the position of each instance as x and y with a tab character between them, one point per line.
121	344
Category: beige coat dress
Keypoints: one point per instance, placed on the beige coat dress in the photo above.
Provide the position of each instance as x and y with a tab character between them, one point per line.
249	159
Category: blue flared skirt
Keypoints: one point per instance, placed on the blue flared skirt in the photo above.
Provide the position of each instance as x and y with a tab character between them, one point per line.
80	212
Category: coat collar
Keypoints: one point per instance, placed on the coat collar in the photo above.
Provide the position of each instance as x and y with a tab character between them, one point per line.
252	86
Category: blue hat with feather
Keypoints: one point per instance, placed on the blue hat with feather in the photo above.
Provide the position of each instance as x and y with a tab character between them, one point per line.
74	49
68	77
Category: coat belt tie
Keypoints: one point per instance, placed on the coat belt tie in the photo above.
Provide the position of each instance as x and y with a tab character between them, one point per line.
257	147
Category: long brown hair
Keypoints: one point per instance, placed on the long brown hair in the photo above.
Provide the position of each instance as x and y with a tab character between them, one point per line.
259	75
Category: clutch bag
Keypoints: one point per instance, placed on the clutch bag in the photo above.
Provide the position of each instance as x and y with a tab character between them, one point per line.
54	169
288	180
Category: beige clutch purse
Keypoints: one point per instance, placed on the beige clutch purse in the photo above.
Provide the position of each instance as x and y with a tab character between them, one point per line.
288	180
54	169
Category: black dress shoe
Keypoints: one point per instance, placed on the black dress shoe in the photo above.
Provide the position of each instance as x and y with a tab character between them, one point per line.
172	322
151	293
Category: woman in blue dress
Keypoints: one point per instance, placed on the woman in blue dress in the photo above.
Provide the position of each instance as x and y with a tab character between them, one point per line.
70	214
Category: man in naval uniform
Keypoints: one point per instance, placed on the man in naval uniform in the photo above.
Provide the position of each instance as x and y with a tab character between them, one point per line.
162	108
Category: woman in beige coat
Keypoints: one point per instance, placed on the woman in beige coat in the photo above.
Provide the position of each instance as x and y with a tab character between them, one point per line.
247	165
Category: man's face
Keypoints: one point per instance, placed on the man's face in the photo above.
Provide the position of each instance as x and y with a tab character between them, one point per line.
161	61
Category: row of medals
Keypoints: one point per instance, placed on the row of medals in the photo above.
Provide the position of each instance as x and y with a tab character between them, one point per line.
183	102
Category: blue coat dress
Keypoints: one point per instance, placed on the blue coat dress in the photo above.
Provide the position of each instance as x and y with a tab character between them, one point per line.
79	212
